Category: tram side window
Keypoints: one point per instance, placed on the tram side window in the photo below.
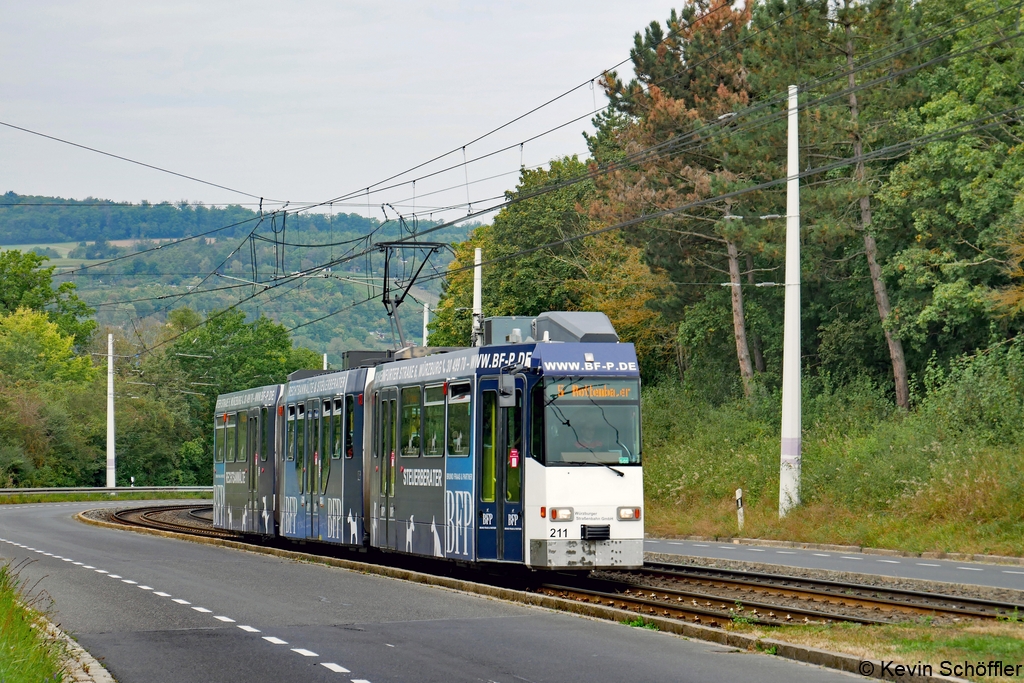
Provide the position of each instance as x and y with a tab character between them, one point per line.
243	433
488	442
264	434
218	441
433	423
513	450
300	446
537	422
393	436
411	428
459	414
326	423
229	442
336	433
350	425
289	447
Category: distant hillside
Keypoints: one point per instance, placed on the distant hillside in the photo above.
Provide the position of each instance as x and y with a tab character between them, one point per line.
30	219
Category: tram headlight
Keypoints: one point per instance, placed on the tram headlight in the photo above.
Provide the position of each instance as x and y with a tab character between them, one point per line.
629	514
561	514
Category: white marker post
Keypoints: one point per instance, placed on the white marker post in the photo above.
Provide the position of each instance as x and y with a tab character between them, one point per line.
739	508
426	319
789	472
325	361
478	298
111	462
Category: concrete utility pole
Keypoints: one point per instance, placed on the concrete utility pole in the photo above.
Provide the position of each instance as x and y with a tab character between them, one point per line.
478	298
789	473
426	319
111	462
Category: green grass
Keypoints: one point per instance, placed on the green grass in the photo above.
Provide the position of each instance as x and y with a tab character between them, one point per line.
21	498
28	654
945	477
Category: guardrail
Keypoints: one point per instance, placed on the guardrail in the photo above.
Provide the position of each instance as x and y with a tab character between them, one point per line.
103	489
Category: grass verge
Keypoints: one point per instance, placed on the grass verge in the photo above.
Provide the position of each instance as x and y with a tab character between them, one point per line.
28	654
912	644
944	477
21	498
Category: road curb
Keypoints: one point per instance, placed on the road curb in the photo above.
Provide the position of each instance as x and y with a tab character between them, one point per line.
866	550
799	653
79	665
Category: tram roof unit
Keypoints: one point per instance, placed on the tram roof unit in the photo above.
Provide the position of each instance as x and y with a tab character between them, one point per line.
577	343
333	383
248	398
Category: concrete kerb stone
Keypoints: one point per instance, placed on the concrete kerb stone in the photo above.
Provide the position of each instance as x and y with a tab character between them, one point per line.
800	653
79	665
888	552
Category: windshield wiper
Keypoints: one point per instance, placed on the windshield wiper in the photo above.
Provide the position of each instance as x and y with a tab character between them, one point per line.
595	462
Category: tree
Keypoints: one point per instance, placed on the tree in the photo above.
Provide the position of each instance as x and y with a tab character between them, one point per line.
24	283
33	349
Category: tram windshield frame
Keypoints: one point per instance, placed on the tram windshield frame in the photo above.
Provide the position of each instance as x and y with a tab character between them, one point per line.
586	421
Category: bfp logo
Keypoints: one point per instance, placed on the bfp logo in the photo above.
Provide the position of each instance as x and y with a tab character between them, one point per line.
513	519
487	519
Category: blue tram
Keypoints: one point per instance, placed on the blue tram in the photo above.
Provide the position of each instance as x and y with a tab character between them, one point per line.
516	452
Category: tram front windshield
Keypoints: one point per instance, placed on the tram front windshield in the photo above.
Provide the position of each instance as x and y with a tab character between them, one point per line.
587	421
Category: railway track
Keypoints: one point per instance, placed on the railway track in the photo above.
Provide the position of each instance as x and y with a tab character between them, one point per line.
701	595
187	519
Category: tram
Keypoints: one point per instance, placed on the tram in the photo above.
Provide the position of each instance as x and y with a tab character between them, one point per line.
520	451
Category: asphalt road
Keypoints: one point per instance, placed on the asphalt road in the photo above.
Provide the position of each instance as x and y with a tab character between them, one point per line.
1000	576
155	609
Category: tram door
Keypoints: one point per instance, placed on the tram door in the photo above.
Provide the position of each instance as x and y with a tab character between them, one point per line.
253	465
389	422
312	467
500	465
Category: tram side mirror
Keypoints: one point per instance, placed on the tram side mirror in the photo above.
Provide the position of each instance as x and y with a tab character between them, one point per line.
506	391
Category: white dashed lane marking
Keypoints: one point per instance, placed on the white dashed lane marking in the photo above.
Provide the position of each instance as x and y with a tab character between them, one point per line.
182	602
275	640
248	629
336	668
226	620
129	581
756	550
162	594
1008	571
785	552
925	564
203	610
102	571
821	555
972	569
699	545
845	557
304	652
888	561
146	588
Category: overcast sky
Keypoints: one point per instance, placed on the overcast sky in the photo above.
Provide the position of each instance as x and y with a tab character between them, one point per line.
299	101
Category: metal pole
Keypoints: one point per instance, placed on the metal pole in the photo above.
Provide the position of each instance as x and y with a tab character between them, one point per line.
478	298
426	319
111	462
789	472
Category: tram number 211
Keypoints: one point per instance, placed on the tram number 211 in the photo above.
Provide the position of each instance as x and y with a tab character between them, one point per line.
559	533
